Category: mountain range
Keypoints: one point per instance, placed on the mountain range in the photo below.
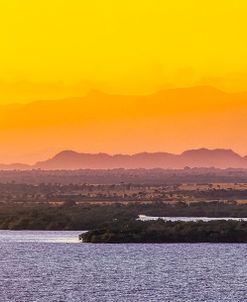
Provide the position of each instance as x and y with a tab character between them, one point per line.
173	119
71	160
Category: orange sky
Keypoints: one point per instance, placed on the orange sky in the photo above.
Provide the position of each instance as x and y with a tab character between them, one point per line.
58	49
172	120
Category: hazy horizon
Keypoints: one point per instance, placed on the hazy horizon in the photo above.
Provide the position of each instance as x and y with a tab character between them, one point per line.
170	120
87	80
192	158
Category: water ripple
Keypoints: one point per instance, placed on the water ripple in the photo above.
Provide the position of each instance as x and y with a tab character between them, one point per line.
48	271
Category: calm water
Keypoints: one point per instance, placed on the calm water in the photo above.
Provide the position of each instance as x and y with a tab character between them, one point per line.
206	219
51	266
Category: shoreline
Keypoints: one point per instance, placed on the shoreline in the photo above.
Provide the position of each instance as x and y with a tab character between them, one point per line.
169	232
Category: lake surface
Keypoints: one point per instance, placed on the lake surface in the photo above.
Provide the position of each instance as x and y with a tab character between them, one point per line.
187	219
53	266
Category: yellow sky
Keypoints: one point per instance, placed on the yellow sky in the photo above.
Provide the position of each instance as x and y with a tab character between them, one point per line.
59	48
55	49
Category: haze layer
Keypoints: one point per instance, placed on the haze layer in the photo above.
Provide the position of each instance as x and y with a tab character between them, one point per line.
171	120
58	50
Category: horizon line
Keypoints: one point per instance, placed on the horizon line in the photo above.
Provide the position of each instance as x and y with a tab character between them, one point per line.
125	154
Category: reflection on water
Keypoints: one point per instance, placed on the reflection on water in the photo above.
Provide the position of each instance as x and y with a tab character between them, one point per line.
53	271
149	218
40	236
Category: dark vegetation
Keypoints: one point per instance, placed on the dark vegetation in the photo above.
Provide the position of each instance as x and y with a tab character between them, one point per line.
169	232
65	217
70	216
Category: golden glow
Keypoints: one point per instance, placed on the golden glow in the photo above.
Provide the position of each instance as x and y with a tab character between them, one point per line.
52	49
171	120
131	46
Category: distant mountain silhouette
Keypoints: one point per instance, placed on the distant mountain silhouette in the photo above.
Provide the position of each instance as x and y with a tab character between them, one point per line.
218	158
161	120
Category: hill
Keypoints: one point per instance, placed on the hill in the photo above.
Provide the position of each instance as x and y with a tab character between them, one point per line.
218	158
173	119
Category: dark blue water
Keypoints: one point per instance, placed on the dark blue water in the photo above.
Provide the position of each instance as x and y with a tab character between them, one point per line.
59	269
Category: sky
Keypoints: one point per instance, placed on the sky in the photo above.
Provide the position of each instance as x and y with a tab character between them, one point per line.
51	50
61	48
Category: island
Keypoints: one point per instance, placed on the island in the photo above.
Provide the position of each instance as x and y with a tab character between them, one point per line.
160	231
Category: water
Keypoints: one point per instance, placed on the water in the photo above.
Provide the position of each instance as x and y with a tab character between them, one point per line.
51	266
206	219
39	236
